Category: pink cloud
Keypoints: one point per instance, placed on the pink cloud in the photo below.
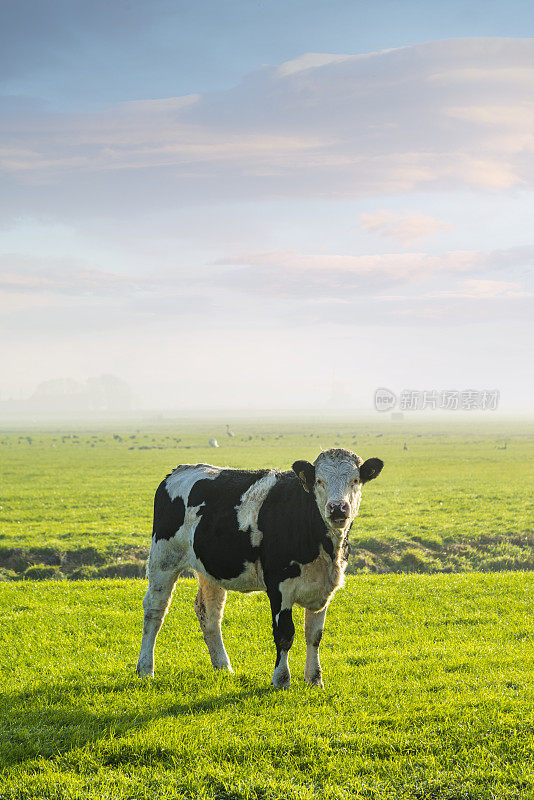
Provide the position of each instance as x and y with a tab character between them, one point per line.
405	226
485	290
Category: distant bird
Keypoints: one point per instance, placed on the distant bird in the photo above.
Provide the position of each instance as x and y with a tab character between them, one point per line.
229	433
214	443
405	446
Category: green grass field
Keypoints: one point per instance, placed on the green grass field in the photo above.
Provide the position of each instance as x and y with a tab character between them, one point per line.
429	678
429	695
80	500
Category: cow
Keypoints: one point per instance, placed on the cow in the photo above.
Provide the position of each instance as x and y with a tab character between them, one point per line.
284	533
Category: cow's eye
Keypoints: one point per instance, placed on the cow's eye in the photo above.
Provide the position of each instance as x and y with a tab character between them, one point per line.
319	483
355	482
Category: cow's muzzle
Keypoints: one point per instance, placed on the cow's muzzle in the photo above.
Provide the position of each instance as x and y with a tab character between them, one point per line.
338	513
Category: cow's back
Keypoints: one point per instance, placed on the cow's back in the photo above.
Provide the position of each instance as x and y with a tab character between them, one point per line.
172	498
212	513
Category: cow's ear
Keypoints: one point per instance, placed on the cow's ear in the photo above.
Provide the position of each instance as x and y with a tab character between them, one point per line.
370	469
306	474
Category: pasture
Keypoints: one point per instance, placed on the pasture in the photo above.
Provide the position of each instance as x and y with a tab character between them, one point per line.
78	501
429	677
429	684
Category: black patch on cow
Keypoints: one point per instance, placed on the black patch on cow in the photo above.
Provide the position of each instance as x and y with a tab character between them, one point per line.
345	548
370	469
285	630
283	627
292	527
218	542
305	473
328	546
169	514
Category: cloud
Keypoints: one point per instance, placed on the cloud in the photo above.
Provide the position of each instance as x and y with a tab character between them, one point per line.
485	290
437	116
52	296
309	61
24	275
267	290
60	294
288	273
406	227
395	288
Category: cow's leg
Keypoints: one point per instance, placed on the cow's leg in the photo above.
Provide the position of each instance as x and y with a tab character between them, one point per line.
313	630
155	604
284	633
209	607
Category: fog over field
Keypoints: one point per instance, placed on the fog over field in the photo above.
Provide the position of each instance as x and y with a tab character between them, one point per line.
267	206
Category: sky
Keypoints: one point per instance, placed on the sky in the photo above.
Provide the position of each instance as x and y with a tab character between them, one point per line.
267	205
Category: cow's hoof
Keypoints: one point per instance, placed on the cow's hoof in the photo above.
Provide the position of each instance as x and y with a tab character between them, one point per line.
223	668
282	681
315	680
144	672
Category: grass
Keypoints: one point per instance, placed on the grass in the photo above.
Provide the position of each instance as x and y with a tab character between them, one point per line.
429	689
429	678
81	500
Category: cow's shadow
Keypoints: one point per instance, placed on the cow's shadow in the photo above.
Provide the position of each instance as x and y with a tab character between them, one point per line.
47	722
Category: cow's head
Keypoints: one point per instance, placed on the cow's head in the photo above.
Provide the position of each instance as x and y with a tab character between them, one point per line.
335	479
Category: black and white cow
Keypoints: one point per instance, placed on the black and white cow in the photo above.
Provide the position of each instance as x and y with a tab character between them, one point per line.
285	533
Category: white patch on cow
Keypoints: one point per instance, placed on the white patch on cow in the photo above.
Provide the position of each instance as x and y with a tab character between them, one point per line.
177	552
337	477
191	520
250	505
317	581
249	580
183	478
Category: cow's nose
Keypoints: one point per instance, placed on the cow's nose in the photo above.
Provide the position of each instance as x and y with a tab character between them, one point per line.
340	509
